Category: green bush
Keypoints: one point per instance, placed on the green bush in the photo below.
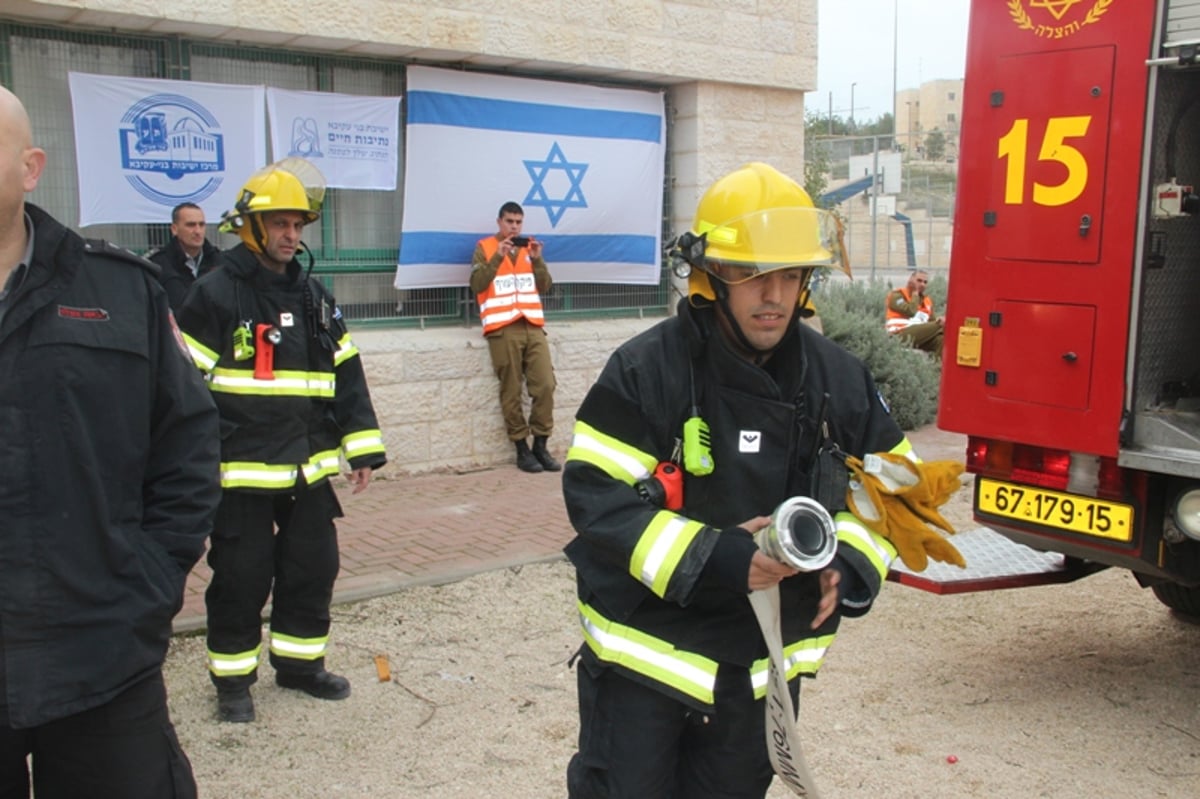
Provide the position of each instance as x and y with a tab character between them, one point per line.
852	315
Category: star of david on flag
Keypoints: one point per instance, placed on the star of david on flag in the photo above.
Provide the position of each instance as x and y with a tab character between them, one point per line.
540	170
585	162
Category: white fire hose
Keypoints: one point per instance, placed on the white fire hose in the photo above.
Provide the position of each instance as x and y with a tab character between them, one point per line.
801	534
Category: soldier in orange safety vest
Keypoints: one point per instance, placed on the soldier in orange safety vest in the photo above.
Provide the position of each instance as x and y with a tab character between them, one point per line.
508	277
910	315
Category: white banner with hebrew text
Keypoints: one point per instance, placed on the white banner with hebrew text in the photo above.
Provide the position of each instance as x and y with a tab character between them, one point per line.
353	140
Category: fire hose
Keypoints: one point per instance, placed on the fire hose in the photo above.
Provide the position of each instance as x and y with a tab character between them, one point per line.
801	534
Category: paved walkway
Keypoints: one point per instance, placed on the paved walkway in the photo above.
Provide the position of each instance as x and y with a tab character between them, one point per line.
439	528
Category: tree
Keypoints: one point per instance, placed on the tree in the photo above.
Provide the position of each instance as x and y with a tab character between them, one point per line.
935	145
816	155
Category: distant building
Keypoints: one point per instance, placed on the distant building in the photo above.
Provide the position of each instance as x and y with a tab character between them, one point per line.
936	105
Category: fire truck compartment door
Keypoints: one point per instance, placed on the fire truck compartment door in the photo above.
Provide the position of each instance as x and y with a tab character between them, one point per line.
1050	119
1041	353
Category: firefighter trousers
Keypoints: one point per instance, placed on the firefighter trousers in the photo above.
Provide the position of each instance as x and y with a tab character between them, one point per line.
282	545
636	742
521	359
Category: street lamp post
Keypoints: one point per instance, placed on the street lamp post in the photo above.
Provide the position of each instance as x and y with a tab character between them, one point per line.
852	85
895	42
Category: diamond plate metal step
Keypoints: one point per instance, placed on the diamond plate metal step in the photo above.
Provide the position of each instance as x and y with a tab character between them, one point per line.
993	562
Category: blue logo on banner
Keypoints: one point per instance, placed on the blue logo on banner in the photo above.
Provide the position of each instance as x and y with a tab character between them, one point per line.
572	197
306	141
173	147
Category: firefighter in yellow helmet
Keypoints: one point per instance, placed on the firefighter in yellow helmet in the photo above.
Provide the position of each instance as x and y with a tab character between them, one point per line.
292	184
696	431
753	221
293	399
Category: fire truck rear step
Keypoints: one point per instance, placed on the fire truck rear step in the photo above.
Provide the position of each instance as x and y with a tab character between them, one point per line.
993	561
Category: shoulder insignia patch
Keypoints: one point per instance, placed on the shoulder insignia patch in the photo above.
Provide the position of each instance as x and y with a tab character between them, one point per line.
107	249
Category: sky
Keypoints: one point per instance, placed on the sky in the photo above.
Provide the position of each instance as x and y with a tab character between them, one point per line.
855	47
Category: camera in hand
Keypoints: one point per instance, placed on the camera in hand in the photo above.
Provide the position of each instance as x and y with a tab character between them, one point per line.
519	241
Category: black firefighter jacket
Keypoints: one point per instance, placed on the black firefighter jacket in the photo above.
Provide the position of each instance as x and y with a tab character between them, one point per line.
663	594
289	425
175	276
109	462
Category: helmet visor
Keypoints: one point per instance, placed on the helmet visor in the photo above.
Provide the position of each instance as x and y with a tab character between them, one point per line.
772	239
310	178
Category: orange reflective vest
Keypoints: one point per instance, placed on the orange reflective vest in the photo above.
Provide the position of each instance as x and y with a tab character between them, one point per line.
897	321
512	293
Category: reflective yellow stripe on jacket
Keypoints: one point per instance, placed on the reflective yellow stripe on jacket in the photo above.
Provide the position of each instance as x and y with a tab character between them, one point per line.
285	383
615	458
663	542
277	477
364	442
802	657
686	672
204	358
345	351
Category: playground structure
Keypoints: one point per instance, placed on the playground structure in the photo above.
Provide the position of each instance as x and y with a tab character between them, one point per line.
865	186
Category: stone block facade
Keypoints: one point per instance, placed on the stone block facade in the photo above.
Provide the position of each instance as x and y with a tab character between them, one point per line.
438	400
734	73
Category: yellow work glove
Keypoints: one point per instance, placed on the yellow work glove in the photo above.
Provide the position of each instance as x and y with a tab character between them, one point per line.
939	481
871	480
898	498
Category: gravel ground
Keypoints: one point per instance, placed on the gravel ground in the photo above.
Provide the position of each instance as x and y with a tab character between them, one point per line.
1088	689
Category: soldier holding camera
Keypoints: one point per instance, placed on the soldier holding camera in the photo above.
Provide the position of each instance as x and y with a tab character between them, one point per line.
508	276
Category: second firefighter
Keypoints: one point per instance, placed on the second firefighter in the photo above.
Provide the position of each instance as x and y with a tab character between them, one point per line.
293	400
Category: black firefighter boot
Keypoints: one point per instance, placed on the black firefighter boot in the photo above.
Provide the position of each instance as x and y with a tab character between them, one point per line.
543	457
235	705
526	461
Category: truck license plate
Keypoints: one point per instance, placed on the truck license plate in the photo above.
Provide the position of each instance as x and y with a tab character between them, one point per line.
1085	515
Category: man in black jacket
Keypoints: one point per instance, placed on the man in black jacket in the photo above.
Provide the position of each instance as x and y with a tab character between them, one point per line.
187	255
109	453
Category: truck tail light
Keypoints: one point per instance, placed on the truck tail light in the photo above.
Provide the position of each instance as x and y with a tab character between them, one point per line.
1055	469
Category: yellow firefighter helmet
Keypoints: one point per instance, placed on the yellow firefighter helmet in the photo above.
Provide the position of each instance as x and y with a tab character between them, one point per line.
292	184
759	220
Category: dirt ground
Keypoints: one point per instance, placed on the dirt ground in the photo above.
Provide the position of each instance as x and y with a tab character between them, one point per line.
1089	689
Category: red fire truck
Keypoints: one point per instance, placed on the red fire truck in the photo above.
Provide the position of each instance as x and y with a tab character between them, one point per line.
1072	355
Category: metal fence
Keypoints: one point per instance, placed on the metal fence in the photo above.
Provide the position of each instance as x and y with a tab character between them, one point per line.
356	241
898	210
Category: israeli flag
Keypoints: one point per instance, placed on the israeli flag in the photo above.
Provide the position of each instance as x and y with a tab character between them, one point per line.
586	164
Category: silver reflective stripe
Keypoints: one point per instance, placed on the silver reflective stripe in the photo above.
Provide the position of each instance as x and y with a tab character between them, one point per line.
309	649
632	469
877	549
616	643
